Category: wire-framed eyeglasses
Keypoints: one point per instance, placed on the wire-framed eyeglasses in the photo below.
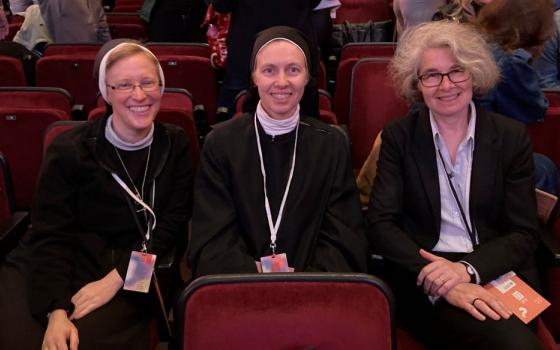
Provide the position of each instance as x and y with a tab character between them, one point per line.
433	79
128	87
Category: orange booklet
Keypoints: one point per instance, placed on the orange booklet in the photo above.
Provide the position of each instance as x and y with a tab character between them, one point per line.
521	299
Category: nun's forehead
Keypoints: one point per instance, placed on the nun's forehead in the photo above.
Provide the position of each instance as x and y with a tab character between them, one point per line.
276	40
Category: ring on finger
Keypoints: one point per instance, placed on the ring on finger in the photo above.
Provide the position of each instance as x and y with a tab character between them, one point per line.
475	299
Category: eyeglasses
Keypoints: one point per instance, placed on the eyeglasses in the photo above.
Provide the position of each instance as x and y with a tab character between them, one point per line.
433	79
128	87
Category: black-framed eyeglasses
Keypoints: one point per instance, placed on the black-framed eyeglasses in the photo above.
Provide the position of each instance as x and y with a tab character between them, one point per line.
128	87
433	79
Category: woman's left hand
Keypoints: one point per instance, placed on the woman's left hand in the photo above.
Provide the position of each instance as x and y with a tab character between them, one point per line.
96	294
440	275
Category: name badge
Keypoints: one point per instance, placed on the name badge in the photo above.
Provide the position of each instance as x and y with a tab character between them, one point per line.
139	272
275	263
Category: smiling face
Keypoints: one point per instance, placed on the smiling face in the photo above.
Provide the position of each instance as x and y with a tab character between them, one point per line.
280	75
448	100
133	112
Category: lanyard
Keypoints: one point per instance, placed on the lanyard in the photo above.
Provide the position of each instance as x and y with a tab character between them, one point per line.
139	200
472	236
271	225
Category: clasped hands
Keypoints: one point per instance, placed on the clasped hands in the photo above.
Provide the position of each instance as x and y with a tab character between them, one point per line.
61	333
450	280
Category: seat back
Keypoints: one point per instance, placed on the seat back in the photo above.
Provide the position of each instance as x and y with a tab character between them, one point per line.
127	25
89	49
127	6
72	73
21	135
183	49
36	97
373	103
544	136
194	74
356	11
57	128
342	89
11	72
285	311
362	50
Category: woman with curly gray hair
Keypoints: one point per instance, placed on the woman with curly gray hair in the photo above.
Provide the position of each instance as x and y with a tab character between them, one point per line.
453	203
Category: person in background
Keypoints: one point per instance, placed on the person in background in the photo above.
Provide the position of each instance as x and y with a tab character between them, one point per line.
453	203
174	20
75	21
112	193
248	17
276	183
4	25
547	64
516	31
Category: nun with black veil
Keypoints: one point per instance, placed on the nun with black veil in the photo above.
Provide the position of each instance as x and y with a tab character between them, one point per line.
275	190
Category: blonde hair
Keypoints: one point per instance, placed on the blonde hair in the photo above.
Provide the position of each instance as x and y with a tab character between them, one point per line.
467	46
126	50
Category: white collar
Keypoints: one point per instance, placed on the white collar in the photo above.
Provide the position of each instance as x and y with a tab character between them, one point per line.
276	127
116	141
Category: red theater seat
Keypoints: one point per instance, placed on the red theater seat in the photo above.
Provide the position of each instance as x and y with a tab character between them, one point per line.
11	72
25	113
357	11
183	49
373	103
285	311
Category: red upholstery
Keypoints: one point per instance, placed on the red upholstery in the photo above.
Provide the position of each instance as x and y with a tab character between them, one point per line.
72	73
322	76
25	113
129	31
362	50
186	49
21	134
89	49
342	90
285	311
194	74
325	100
57	128
37	97
127	5
125	17
544	136
373	103
363	11
11	72
127	8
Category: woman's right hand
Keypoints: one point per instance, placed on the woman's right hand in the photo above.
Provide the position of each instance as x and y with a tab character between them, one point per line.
477	301
60	332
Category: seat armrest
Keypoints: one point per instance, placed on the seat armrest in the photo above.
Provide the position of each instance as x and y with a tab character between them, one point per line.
11	231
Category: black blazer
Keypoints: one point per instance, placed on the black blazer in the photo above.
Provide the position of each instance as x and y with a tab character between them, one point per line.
404	211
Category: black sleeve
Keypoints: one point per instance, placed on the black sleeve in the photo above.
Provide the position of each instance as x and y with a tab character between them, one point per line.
384	216
341	245
52	237
217	245
519	215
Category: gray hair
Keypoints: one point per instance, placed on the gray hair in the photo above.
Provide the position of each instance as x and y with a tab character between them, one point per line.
467	46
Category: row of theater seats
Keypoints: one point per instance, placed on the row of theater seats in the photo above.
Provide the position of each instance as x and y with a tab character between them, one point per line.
280	311
371	102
